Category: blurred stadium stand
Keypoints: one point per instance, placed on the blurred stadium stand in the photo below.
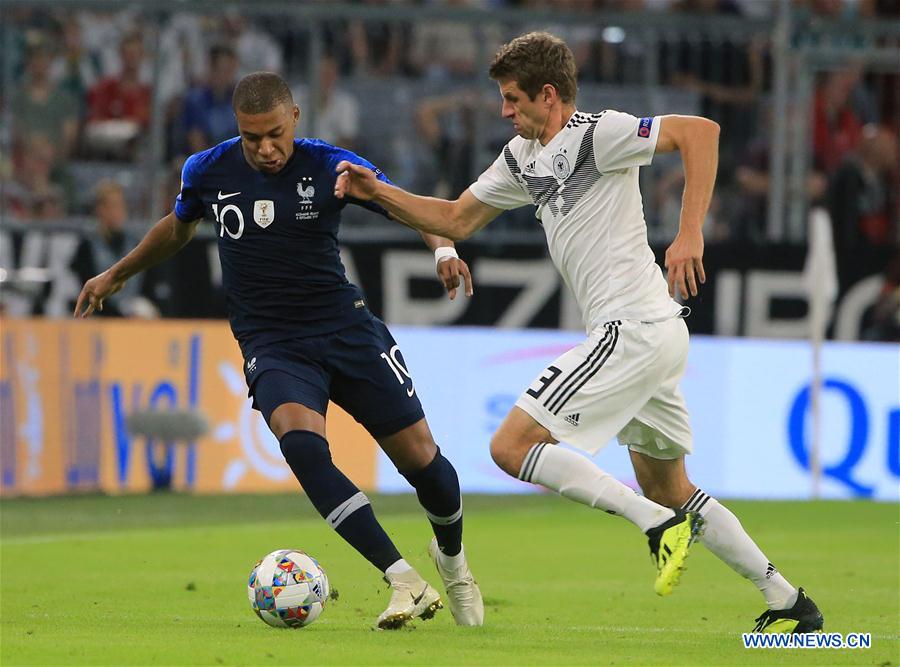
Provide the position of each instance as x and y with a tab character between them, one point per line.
806	93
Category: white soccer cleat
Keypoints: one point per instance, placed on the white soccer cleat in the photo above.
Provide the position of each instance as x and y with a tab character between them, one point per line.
463	593
413	597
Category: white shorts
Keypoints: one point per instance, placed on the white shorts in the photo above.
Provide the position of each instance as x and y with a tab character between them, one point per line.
622	381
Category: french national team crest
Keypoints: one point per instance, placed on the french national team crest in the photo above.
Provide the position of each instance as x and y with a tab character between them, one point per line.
306	191
264	212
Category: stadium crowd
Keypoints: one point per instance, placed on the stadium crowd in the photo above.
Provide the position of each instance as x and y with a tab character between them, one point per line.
84	101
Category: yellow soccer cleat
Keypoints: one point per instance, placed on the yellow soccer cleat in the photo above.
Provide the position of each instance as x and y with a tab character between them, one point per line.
670	543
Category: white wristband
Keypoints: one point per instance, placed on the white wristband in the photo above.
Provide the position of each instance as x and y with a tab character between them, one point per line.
444	252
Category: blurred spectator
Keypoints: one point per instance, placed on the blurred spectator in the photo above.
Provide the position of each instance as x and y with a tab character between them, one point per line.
581	38
840	8
101	34
885	324
622	51
863	193
184	55
727	74
447	125
102	249
256	49
36	192
337	111
49	206
119	107
667	206
377	47
208	116
839	113
752	176
40	107
29	24
75	69
443	48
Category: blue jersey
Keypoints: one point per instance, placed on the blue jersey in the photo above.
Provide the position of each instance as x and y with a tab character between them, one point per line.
277	238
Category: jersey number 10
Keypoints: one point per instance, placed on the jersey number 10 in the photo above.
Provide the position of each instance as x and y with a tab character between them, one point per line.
220	218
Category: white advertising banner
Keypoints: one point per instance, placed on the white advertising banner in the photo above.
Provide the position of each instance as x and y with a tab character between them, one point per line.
748	399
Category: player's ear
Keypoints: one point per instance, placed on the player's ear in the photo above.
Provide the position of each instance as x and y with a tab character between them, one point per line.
296	113
549	94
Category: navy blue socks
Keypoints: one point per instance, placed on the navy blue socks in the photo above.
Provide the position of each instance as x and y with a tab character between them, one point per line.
337	499
437	487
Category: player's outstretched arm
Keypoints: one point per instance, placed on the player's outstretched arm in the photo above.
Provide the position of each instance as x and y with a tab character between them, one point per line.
697	139
164	239
456	220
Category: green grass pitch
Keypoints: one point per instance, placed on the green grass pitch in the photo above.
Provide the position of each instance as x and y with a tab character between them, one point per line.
160	580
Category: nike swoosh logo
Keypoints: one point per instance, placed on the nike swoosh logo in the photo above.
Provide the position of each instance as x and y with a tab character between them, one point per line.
233	194
417	600
340	514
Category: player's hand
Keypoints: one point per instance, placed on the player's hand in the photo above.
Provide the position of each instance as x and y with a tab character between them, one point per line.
95	292
684	260
354	181
449	271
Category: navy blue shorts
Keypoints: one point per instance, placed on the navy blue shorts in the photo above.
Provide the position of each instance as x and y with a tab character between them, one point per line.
360	368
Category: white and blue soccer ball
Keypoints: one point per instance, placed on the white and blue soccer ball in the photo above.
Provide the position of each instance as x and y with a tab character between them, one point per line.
288	589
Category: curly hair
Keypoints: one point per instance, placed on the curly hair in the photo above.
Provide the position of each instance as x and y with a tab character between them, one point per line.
535	59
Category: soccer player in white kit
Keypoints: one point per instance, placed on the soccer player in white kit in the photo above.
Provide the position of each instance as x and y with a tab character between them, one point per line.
581	172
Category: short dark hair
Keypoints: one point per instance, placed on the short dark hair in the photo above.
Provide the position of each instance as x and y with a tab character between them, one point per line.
535	59
260	92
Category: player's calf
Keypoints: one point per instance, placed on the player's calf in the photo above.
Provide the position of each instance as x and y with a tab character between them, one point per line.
343	506
515	439
437	488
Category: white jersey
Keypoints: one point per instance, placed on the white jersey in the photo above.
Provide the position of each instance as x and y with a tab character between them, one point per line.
584	183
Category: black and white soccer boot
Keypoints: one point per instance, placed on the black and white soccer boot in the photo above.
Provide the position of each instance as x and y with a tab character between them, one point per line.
803	617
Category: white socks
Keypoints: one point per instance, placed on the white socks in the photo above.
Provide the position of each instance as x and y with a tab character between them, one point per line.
399	567
577	478
452	562
726	538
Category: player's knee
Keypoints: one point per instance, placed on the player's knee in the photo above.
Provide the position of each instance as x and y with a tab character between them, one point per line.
505	454
666	492
304	450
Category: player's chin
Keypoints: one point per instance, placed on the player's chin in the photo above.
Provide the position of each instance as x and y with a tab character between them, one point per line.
271	167
522	132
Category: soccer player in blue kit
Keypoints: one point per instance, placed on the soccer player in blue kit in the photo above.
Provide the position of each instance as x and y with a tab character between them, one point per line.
307	336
